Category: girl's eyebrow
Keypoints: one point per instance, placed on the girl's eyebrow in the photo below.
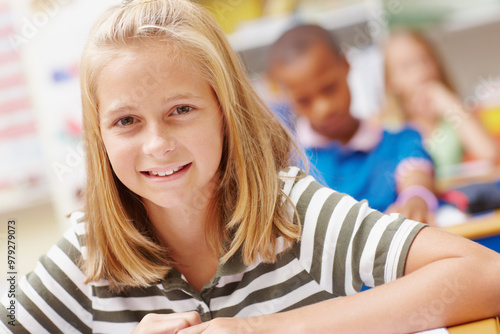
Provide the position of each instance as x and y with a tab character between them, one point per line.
116	110
123	108
181	96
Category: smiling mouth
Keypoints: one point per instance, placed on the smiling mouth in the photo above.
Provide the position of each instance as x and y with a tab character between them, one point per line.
167	172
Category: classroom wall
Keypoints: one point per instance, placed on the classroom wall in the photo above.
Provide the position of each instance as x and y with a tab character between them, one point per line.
42	167
472	54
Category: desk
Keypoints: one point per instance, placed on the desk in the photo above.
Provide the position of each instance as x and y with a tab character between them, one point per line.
475	227
485	230
488	326
479	227
489	174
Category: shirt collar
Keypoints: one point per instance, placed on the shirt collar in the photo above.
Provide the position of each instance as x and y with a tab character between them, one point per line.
366	138
234	265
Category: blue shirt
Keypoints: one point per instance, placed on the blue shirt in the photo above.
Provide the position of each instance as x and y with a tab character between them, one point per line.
367	175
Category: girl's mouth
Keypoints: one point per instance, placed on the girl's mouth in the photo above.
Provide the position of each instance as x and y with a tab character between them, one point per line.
166	173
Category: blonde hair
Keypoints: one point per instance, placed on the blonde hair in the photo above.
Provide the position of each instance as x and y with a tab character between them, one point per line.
393	114
256	147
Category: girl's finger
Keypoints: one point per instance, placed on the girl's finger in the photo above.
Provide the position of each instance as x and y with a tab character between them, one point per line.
166	323
194	329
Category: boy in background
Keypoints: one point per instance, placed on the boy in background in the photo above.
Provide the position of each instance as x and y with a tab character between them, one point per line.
390	170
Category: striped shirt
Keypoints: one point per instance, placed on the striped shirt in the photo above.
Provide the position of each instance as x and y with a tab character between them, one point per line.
344	245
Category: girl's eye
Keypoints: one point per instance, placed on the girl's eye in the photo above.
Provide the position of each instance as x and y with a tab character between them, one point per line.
182	110
125	121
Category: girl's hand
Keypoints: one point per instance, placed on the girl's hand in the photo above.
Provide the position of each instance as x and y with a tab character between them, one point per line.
415	209
232	325
442	101
167	323
435	99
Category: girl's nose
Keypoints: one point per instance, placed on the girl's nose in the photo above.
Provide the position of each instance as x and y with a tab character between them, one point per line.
157	142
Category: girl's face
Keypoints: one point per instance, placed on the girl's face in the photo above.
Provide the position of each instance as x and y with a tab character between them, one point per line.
409	65
161	126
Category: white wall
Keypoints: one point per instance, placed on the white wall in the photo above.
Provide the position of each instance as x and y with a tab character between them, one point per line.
49	40
471	53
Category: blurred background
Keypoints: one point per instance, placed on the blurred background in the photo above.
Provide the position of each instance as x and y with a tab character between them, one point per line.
42	166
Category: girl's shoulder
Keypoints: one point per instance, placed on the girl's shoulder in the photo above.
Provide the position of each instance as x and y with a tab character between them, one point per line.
74	237
303	189
289	177
77	221
408	130
294	181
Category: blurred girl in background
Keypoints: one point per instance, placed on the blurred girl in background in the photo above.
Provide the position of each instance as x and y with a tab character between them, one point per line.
420	93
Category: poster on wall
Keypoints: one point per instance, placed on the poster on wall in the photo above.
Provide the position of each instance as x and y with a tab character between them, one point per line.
23	181
51	35
41	153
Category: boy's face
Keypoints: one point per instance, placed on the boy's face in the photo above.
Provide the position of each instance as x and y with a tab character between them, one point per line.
316	83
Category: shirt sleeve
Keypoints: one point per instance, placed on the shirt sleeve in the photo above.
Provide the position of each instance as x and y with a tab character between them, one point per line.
53	297
345	244
410	145
412	154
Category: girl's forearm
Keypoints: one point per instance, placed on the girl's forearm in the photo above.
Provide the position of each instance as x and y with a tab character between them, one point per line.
472	134
448	280
443	293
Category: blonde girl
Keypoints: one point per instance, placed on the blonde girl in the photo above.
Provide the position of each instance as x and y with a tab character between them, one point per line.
194	222
420	93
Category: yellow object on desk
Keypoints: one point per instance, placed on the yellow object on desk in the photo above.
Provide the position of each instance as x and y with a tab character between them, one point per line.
487	326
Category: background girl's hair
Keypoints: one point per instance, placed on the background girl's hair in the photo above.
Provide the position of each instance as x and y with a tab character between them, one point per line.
249	203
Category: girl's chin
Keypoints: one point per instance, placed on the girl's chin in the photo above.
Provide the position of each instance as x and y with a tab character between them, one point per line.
162	204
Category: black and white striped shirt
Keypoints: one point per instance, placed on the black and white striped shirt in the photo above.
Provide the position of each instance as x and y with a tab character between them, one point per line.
345	244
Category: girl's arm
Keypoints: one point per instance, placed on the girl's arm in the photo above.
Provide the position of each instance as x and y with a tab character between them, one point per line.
473	137
448	280
415	187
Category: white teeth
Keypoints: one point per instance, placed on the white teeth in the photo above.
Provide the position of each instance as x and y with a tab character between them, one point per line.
166	173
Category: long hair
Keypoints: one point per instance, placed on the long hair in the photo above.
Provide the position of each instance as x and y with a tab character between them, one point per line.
252	215
393	115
